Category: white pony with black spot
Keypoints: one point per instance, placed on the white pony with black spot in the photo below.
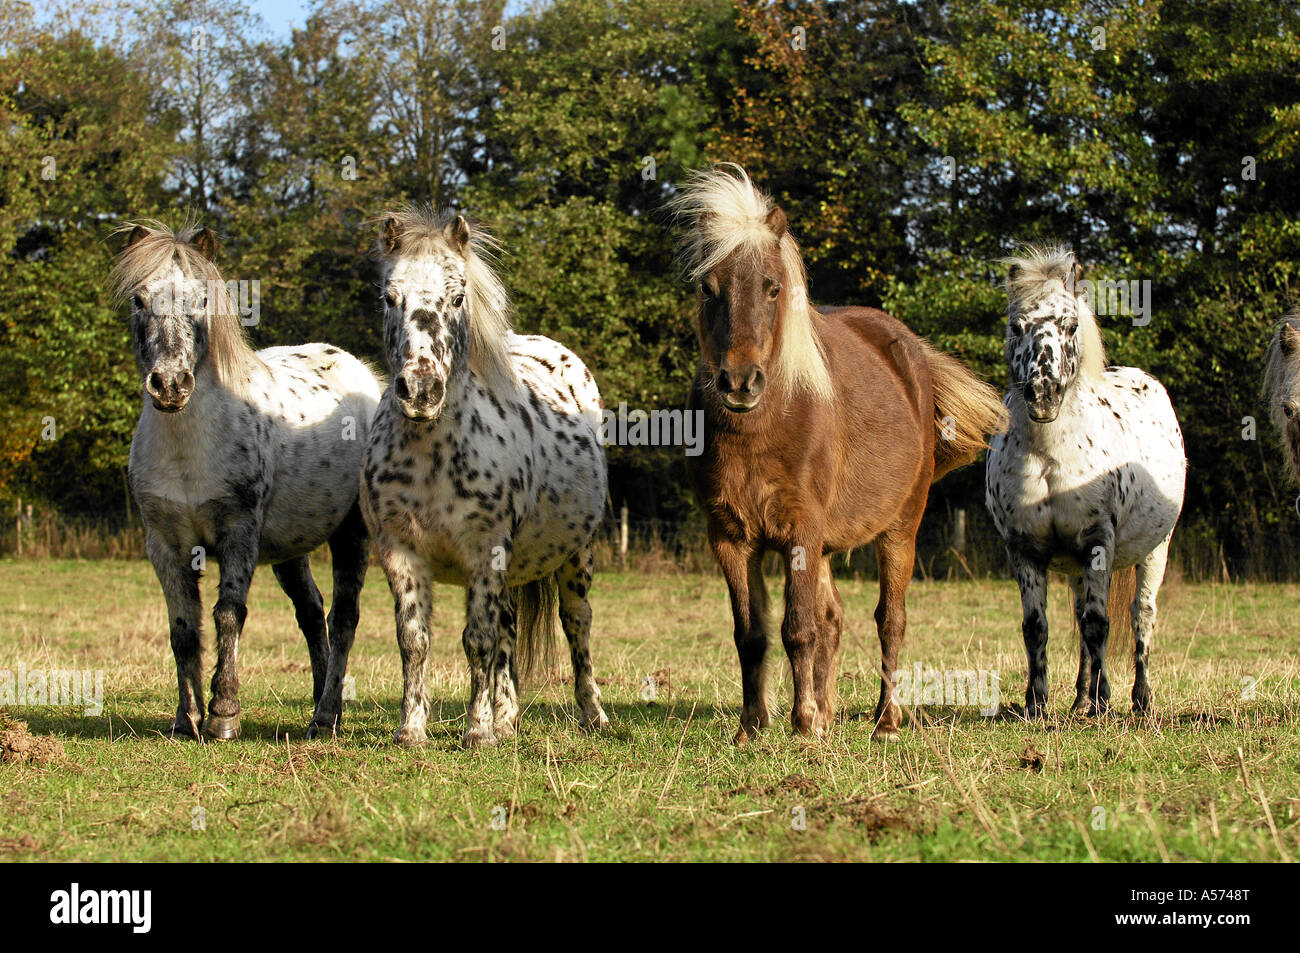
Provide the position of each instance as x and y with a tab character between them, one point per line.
243	457
1087	481
485	469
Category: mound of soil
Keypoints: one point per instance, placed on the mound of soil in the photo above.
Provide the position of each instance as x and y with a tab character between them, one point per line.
19	746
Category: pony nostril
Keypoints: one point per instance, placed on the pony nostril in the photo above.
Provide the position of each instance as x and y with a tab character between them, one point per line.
724	382
155	384
1289	409
435	391
186	385
754	382
401	389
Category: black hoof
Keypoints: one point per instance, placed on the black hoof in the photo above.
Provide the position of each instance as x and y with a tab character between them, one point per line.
322	729
221	727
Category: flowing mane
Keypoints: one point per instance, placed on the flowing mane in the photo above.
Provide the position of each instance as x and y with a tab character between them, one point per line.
228	348
419	230
727	215
1036	269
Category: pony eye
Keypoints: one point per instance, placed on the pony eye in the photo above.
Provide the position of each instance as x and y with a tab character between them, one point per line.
775	291
705	289
457	301
138	301
390	299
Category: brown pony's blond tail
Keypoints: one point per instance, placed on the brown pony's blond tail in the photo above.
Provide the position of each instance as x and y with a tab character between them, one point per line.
967	411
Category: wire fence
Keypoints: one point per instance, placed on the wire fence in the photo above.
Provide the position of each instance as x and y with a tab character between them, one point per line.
953	543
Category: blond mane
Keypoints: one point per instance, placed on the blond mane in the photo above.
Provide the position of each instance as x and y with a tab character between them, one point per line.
418	230
1036	268
727	214
228	348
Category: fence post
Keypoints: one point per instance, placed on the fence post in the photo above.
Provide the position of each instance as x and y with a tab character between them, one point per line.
622	536
959	531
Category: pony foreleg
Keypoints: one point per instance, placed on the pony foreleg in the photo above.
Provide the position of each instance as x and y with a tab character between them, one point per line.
799	633
1084	678
238	554
1150	574
1094	630
1032	579
482	629
828	645
505	675
742	567
574	579
409	581
180	585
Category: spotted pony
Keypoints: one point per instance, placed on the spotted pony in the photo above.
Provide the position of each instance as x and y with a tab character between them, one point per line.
485	470
244	457
1087	481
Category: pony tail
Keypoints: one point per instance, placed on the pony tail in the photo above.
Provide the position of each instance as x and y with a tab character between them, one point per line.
537	622
967	411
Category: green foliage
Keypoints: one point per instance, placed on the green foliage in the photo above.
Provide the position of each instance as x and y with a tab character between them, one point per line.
1160	139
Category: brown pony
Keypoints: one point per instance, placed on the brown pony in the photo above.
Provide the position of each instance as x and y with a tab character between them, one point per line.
824	433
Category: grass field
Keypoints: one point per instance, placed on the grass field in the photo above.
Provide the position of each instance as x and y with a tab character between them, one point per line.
1212	776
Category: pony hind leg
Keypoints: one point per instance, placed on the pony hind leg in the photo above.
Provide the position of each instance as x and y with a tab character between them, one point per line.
350	555
296	580
180	585
1150	574
574	582
1094	630
896	557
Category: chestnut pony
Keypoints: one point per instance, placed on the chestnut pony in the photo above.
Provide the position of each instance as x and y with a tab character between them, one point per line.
824	432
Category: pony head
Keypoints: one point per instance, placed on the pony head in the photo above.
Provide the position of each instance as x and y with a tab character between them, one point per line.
444	309
1052	336
754	318
180	311
1282	385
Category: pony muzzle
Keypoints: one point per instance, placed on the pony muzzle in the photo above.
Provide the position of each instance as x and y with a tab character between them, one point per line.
740	388
419	392
169	389
1042	401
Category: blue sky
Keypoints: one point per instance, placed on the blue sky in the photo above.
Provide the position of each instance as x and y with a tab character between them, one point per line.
280	16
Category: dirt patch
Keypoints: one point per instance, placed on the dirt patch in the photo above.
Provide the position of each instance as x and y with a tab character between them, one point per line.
876	819
798	784
14	845
1033	757
19	746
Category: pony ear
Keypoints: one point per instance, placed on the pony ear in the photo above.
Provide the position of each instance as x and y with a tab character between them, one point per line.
775	221
1290	340
1014	271
457	233
206	243
389	236
138	234
1076	273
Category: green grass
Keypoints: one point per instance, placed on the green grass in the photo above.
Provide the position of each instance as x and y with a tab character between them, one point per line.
1213	776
